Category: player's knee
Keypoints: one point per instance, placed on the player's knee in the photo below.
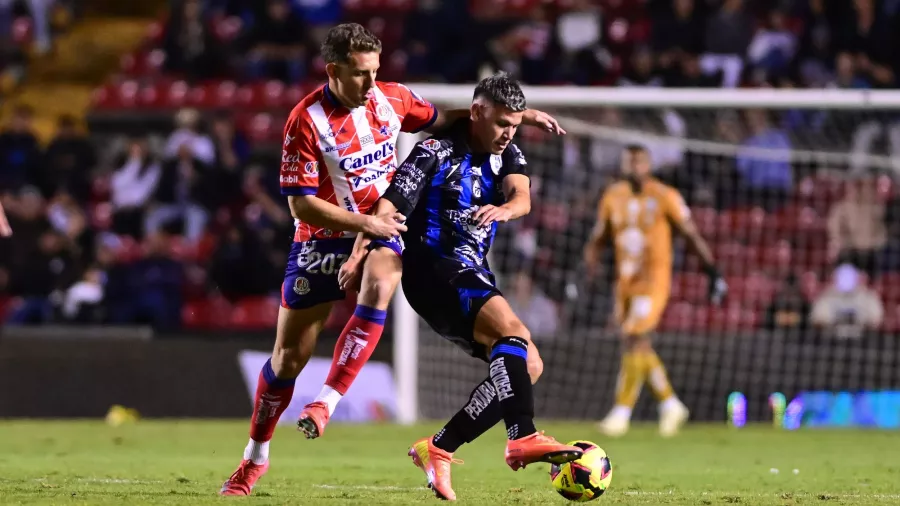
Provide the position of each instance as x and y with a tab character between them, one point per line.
535	366
287	362
381	278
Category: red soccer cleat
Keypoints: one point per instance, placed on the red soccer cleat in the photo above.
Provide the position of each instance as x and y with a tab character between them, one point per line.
243	480
313	419
539	448
435	463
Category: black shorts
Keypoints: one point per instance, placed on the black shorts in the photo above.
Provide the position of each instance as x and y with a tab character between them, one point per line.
448	295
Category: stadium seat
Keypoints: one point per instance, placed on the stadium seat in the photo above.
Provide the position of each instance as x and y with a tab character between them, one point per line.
679	317
255	313
705	218
888	285
227	29
810	285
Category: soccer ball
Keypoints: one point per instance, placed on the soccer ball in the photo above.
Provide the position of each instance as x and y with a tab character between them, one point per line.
584	479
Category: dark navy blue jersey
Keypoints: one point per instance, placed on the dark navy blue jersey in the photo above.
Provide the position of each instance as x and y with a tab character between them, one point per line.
440	186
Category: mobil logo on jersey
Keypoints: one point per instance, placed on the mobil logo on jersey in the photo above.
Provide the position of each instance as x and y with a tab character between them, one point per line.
367	157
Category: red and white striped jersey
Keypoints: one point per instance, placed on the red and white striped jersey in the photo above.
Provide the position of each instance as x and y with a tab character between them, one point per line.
347	156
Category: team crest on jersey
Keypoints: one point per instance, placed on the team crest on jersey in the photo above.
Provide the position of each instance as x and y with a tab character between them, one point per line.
431	144
301	285
383	112
496	163
476	189
288	140
311	168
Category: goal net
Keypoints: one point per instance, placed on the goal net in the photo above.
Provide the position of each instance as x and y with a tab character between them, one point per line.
794	192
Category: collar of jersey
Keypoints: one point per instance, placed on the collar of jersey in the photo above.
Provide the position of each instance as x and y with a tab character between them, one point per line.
459	133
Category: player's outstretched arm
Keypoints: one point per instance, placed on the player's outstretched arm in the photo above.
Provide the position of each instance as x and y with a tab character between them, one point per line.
718	288
532	117
315	211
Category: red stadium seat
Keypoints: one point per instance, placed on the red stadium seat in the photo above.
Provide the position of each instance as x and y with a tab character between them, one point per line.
888	285
810	285
731	257
705	218
255	313
155	33
679	317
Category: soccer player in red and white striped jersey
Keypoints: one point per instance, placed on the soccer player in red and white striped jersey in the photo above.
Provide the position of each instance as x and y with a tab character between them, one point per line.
338	157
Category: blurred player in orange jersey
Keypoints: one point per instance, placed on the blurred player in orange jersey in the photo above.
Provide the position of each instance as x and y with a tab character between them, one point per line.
639	213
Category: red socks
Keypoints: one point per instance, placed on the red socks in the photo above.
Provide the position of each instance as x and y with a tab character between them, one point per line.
355	346
273	395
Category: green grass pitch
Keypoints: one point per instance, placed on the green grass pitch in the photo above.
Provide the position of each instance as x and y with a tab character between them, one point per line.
171	462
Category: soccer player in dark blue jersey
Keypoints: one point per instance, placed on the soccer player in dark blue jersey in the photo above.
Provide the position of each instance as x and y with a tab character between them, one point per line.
455	188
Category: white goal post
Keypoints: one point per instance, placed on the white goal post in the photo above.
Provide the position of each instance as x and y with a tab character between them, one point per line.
564	102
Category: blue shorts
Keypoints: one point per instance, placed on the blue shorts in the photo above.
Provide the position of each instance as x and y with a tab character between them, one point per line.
311	276
394	244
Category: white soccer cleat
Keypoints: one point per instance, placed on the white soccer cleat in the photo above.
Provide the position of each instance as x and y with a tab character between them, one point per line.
672	415
615	424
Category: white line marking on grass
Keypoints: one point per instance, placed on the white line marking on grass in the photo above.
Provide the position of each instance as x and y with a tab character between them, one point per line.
368	487
118	481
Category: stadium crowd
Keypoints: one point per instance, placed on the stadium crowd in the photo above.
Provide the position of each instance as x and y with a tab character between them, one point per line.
175	229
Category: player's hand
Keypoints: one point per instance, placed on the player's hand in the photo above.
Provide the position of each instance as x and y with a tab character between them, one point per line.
350	274
591	257
486	215
540	119
718	287
5	229
384	226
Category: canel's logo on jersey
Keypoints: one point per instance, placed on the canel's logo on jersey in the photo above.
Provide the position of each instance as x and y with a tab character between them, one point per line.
383	151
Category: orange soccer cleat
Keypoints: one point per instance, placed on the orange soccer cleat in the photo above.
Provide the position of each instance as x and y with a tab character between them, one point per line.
313	419
539	448
243	480
435	463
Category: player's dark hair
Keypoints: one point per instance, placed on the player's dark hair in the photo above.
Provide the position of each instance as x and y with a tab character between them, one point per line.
502	89
636	148
346	39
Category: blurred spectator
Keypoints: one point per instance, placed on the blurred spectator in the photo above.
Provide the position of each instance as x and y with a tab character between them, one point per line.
641	71
767	174
432	54
789	309
278	44
232	154
83	301
320	15
536	310
728	34
816	50
20	154
191	47
689	74
856	226
845	75
181	195
148	291
239	266
870	36
38	279
773	48
677	34
847	308
187	132
585	60
68	161
131	186
68	218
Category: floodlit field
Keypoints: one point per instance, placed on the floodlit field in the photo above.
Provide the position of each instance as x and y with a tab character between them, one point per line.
167	462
